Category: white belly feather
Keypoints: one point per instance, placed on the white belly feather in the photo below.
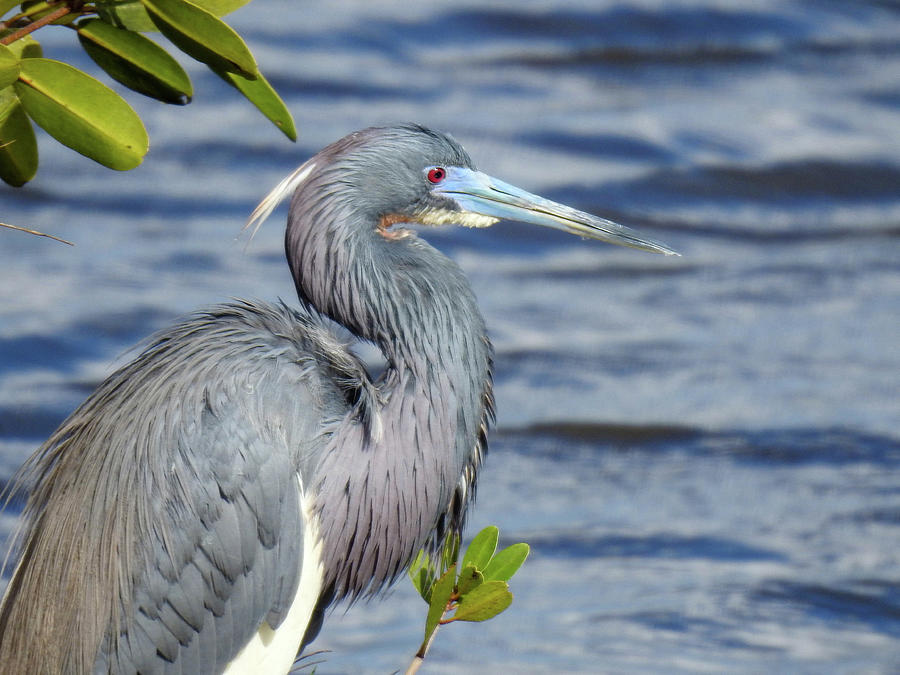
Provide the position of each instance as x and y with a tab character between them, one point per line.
274	651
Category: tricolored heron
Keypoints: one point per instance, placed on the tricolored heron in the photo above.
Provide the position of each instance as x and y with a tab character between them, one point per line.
200	511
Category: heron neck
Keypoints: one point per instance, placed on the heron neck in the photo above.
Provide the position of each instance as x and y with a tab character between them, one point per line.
384	492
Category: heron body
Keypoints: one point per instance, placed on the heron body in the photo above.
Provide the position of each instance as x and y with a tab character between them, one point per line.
203	508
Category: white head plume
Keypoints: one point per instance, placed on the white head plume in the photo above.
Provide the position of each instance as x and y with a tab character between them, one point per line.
281	191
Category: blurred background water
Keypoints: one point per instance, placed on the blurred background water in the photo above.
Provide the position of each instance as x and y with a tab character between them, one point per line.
703	452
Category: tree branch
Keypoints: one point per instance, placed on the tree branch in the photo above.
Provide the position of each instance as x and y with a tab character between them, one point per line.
30	28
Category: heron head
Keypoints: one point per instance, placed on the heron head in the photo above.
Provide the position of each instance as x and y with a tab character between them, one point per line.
382	170
411	174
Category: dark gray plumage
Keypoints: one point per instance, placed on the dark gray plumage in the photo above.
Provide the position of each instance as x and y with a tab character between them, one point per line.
246	455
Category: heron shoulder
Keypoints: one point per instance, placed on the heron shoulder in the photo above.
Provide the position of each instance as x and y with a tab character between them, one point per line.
278	360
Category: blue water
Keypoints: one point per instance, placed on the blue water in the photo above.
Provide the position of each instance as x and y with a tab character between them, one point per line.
703	452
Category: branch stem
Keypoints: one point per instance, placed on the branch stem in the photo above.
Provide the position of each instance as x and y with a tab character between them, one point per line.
30	28
419	658
36	233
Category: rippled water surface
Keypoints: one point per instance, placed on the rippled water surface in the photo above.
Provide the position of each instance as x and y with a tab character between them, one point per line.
703	451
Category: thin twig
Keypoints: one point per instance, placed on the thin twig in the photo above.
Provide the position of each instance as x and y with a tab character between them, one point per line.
36	233
419	658
30	28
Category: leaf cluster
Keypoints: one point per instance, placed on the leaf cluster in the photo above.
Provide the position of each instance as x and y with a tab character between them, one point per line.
86	115
474	590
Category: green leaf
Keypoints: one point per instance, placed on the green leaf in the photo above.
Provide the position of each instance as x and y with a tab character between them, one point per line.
421	575
6	5
506	563
469	579
135	61
220	7
26	48
18	148
440	596
484	602
424	582
131	14
127	14
482	548
202	36
9	67
82	113
260	93
450	549
418	563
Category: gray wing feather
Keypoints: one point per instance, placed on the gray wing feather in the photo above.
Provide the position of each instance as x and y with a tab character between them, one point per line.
205	593
231	553
205	651
166	509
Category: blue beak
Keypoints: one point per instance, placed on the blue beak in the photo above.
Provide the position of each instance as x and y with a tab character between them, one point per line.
479	193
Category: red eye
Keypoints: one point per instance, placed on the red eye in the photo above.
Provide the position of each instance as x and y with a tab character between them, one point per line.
436	175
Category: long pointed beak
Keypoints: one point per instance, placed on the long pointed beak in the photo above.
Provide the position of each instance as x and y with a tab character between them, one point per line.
479	193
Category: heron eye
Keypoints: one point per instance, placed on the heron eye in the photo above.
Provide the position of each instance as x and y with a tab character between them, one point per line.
436	175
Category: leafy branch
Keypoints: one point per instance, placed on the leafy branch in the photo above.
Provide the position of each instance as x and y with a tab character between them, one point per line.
479	592
86	115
